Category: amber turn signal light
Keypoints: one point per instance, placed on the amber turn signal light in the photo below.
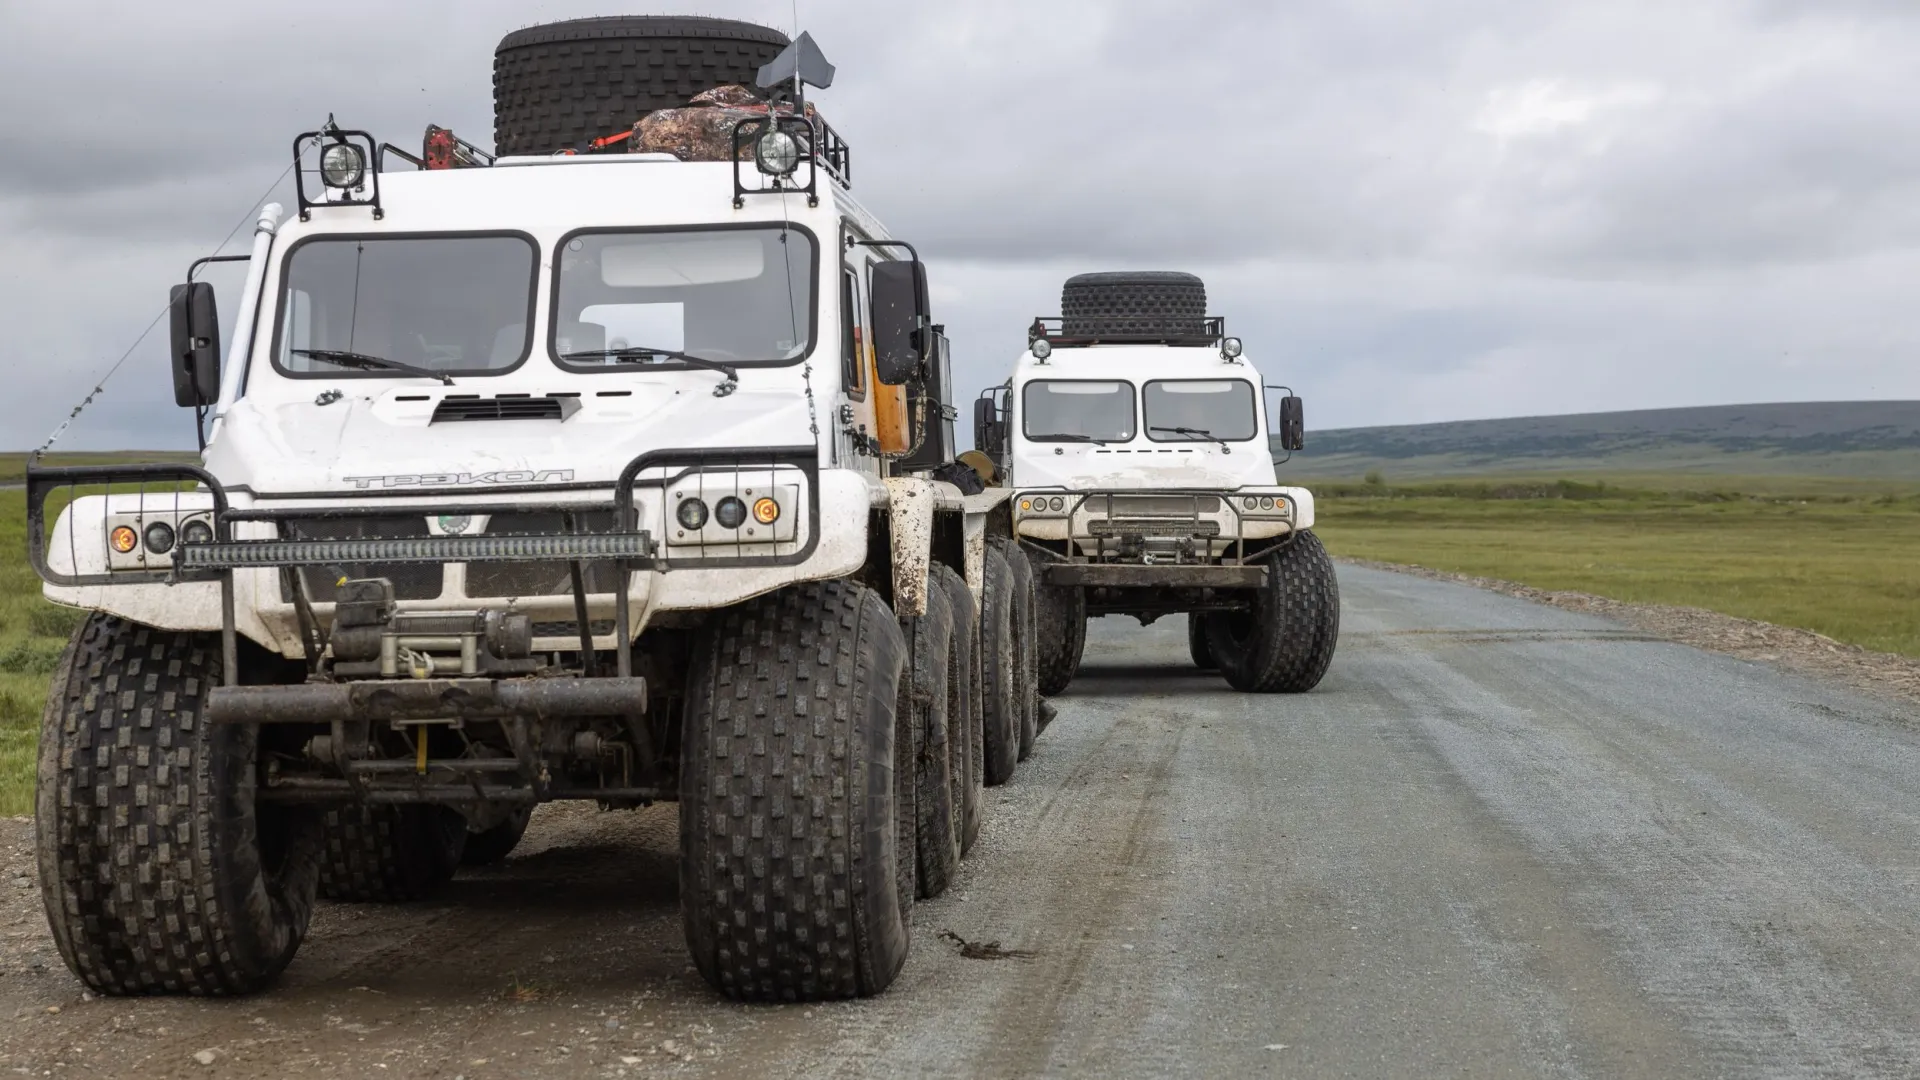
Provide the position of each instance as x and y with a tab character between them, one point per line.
766	511
123	539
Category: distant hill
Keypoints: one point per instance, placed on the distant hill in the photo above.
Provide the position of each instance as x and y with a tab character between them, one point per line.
1864	439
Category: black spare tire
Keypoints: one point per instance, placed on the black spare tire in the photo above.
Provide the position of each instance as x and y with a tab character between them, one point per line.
561	84
1134	303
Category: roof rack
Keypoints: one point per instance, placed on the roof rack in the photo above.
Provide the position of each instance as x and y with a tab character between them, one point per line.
1060	332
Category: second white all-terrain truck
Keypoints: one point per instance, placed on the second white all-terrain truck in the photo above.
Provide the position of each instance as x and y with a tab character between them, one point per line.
1135	435
607	469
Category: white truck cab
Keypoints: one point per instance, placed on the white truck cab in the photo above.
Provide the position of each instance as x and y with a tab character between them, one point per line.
1136	437
592	471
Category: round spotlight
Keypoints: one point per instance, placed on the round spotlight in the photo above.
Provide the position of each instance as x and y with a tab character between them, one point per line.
692	514
159	538
196	532
1230	348
1057	504
776	153
123	539
1042	349
730	513
342	165
766	511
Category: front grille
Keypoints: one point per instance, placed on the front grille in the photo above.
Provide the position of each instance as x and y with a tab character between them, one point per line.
1152	527
411	581
549	578
506	407
1155	505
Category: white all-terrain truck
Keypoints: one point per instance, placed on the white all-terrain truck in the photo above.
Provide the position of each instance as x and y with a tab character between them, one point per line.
1135	436
591	471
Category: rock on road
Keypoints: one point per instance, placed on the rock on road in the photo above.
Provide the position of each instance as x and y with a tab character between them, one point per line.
1499	840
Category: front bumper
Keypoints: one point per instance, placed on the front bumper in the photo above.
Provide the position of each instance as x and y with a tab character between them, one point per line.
463	549
1161	526
1154	575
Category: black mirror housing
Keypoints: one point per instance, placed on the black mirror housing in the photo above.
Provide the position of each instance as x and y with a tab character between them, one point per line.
989	430
1293	424
196	344
901	321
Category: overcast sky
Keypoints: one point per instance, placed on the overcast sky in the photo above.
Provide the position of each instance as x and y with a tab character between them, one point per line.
1411	210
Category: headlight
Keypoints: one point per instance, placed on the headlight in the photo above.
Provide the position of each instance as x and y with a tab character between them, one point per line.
342	166
730	513
1057	504
196	532
776	153
159	538
692	514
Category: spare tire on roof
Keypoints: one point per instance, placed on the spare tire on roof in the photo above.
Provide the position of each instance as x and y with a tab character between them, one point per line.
559	85
1134	303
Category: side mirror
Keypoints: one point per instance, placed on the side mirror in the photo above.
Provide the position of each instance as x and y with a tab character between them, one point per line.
1293	424
900	321
196	344
989	430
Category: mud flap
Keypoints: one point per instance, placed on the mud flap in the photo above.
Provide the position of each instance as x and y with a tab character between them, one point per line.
910	512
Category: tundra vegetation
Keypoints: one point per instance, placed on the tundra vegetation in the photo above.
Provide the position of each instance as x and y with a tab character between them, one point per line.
1835	559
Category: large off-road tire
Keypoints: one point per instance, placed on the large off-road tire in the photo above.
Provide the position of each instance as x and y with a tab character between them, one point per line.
390	854
796	882
1060	620
1197	646
562	84
1027	641
963	713
1284	644
160	871
928	695
492	844
1141	303
1000	681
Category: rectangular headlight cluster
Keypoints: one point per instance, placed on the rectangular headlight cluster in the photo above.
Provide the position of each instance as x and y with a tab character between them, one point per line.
149	539
1265	506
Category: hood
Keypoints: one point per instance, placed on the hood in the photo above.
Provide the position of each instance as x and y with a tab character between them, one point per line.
378	441
1141	466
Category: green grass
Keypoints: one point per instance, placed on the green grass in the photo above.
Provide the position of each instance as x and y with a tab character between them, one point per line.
13	466
1842	563
32	633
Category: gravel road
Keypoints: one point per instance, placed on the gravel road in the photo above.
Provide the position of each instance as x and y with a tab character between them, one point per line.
1501	840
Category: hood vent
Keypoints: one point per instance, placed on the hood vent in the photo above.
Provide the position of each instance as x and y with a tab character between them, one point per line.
505	407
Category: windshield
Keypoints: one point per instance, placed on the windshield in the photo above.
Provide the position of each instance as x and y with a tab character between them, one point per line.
456	305
737	296
1200	410
1074	410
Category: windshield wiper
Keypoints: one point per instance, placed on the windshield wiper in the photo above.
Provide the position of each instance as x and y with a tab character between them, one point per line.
1067	436
637	352
368	362
1202	432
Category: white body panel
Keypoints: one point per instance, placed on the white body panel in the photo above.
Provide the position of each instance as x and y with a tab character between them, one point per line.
1238	470
317	442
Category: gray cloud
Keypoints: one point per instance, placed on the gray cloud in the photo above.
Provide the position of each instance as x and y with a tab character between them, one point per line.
1418	210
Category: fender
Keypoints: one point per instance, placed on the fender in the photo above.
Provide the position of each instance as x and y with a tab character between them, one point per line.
910	515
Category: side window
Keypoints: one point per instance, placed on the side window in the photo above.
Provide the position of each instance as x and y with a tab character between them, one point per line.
853	336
